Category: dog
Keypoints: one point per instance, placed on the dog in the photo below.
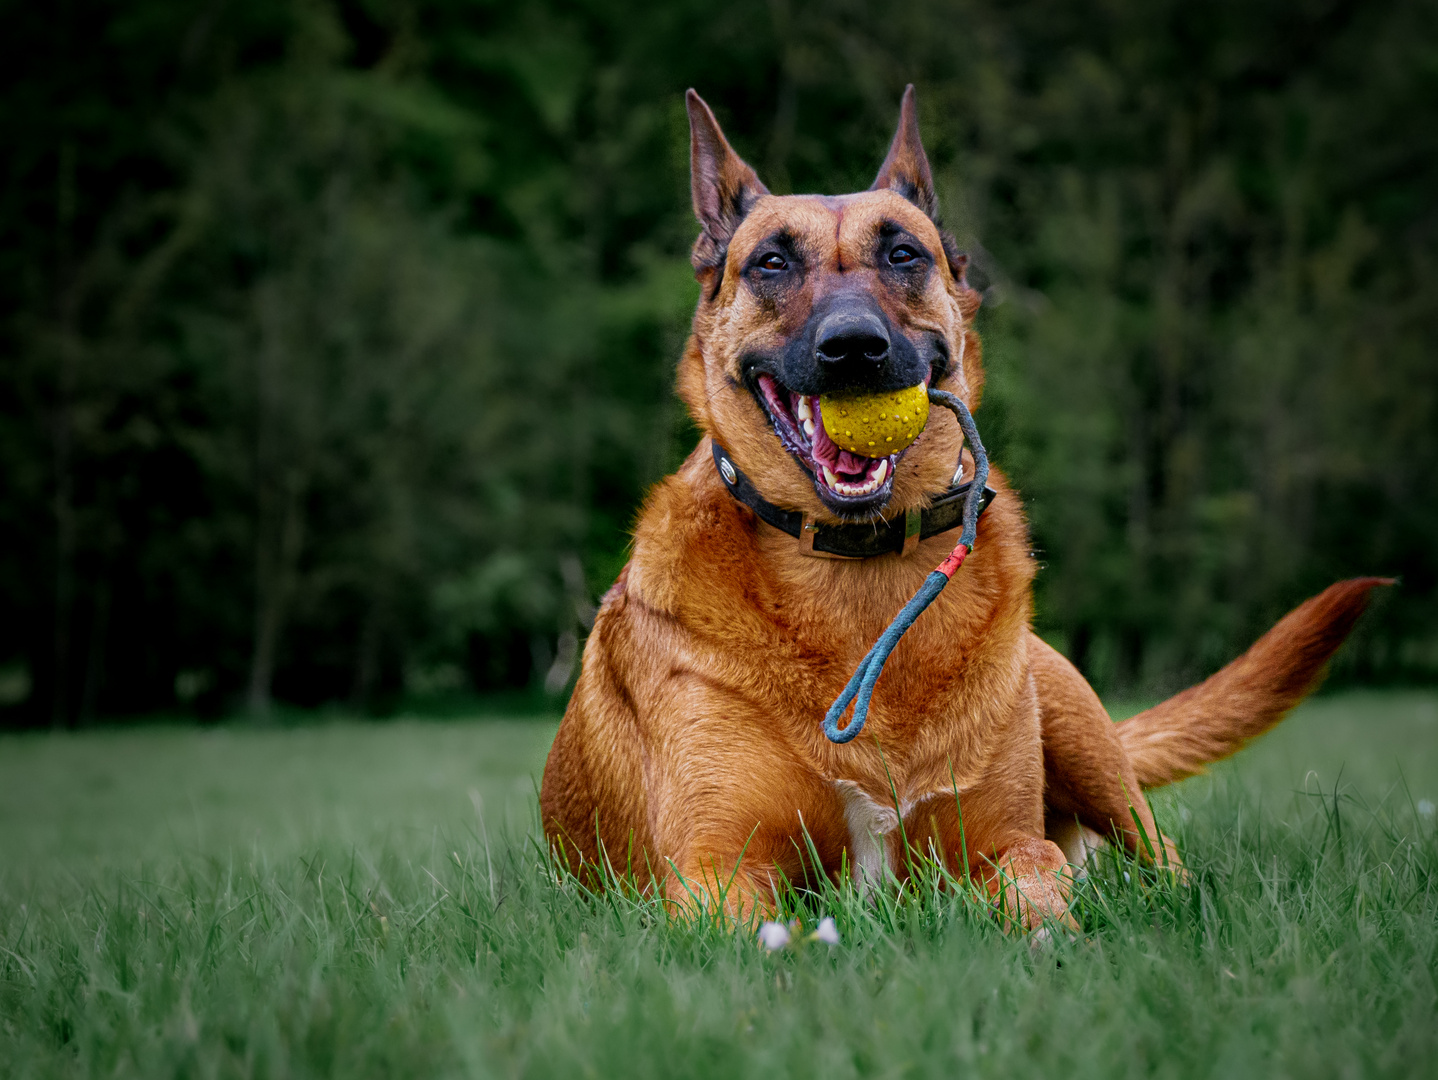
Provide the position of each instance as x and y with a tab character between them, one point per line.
692	754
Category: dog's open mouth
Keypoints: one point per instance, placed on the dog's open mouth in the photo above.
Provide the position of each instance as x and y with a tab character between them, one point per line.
848	483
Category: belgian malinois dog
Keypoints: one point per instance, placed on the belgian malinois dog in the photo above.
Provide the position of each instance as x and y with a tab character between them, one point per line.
692	752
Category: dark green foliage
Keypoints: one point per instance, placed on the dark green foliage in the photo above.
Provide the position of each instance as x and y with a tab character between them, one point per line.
340	336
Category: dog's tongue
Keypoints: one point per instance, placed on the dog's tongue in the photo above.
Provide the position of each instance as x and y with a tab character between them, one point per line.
827	453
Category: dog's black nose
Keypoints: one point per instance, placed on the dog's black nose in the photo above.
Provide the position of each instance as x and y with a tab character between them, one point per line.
855	340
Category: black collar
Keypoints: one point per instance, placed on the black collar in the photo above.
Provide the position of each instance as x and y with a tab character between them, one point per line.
859	541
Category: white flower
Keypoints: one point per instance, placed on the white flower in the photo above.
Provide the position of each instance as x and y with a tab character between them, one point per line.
773	936
1425	807
828	933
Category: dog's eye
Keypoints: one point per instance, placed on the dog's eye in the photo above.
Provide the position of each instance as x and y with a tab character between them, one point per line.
773	261
902	254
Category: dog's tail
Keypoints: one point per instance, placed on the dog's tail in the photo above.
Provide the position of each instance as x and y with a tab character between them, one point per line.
1214	719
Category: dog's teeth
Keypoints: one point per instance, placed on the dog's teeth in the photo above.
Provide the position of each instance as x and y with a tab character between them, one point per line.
881	472
805	412
830	478
808	427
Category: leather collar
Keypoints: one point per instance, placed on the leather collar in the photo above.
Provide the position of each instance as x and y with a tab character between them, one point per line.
857	541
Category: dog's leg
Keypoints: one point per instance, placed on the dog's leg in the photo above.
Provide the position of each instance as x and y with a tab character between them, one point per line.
1030	879
592	799
734	846
735	812
1088	779
993	830
742	856
1026	875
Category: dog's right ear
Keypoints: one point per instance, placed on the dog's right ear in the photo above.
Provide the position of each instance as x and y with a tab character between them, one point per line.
906	169
723	186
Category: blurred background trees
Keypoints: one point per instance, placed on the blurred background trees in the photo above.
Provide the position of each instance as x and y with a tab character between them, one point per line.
338	337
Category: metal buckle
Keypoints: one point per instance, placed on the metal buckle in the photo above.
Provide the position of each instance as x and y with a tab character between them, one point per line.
807	532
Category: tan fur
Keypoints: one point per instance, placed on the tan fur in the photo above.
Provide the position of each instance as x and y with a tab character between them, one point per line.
1214	719
692	755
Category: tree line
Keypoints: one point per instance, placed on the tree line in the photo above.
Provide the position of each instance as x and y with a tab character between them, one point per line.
339	336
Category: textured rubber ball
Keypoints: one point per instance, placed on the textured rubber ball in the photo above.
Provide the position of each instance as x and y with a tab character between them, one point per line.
876	425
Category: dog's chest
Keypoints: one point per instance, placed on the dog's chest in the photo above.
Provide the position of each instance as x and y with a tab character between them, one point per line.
873	831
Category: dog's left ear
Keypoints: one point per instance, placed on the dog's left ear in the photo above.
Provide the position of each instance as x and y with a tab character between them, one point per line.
723	185
906	169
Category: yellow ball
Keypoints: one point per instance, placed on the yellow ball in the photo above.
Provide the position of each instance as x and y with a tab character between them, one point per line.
876	425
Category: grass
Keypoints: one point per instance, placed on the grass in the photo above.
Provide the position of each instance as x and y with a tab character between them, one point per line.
352	899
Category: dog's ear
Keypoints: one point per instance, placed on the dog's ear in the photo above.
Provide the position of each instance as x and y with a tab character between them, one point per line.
906	169
723	186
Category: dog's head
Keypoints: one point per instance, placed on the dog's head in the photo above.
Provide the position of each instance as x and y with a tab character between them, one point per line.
811	295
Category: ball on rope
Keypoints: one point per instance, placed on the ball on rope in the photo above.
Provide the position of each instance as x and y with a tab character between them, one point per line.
876	425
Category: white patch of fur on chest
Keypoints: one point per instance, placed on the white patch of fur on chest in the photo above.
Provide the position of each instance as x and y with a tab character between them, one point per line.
870	825
873	826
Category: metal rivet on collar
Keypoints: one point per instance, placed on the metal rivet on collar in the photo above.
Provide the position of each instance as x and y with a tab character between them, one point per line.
726	469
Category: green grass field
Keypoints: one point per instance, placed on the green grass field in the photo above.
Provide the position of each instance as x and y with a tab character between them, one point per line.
354	899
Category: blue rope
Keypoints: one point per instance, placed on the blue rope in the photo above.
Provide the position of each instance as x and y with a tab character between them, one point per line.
861	685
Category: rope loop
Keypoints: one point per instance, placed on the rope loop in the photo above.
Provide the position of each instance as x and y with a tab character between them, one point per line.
861	685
